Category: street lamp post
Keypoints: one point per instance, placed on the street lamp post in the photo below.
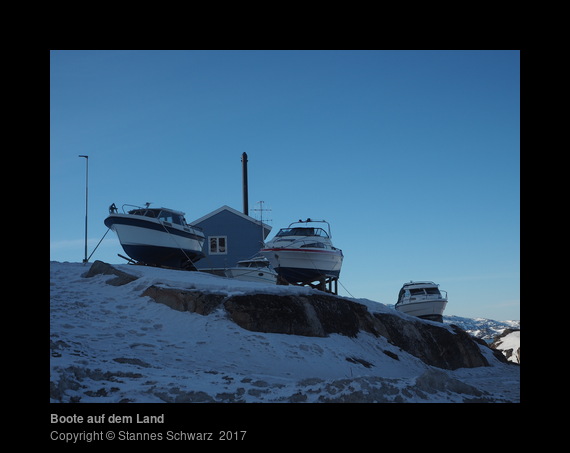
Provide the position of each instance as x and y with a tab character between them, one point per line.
86	185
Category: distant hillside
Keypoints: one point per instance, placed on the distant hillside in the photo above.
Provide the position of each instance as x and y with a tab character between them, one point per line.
486	329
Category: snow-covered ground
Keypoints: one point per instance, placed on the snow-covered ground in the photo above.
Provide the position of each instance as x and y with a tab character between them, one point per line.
510	344
109	344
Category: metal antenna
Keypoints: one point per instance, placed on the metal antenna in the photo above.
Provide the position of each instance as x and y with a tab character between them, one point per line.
260	210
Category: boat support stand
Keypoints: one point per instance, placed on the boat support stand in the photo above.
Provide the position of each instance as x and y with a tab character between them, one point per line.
328	285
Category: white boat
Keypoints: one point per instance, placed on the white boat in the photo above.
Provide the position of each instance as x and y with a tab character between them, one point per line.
422	299
303	254
256	269
157	236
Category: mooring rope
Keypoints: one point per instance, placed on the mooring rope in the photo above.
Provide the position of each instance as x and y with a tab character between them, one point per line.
177	245
101	240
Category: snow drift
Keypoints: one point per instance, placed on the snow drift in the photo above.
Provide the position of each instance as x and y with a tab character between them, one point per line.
111	342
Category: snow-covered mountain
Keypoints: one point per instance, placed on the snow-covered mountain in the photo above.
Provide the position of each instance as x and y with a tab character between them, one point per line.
486	329
503	336
483	328
110	344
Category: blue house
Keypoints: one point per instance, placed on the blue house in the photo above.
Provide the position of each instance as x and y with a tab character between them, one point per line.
231	236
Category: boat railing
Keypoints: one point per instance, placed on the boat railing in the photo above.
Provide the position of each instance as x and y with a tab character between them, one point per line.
309	220
146	210
184	224
195	227
308	242
417	297
132	206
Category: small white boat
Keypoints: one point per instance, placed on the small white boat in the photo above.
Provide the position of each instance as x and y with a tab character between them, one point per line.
157	236
254	270
422	299
303	254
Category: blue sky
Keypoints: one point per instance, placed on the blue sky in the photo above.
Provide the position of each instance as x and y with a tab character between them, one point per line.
412	156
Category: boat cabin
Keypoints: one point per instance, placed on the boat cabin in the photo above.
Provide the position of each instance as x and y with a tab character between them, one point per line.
302	231
418	291
164	214
255	263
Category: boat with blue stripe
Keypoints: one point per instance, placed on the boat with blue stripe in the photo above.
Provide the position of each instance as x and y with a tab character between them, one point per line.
157	236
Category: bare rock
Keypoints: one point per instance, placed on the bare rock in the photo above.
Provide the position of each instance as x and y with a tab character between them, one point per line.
185	300
99	267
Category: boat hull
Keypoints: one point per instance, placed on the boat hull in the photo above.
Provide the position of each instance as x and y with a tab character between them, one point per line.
252	274
156	243
304	265
428	309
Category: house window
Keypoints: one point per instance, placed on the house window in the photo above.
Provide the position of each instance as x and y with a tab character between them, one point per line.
218	245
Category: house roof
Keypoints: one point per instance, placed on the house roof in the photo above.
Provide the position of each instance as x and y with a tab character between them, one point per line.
233	211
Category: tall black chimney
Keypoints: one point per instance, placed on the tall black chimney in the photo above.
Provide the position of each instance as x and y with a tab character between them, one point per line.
244	183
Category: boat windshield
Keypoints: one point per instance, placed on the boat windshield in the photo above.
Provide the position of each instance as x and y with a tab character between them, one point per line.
164	215
145	212
420	291
172	217
302	231
315	245
414	292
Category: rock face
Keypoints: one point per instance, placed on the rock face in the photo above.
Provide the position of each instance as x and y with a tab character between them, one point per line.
315	316
99	267
182	300
509	344
320	315
432	344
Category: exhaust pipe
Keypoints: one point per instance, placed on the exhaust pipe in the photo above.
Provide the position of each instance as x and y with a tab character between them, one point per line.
244	183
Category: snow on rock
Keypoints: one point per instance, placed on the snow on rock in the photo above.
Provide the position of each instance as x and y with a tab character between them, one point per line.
318	315
113	344
509	343
492	332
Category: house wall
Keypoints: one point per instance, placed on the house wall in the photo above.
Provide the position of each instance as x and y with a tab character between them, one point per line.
243	239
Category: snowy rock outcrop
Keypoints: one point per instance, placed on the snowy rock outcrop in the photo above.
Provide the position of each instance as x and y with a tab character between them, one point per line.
509	343
322	315
182	300
319	315
111	344
101	268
